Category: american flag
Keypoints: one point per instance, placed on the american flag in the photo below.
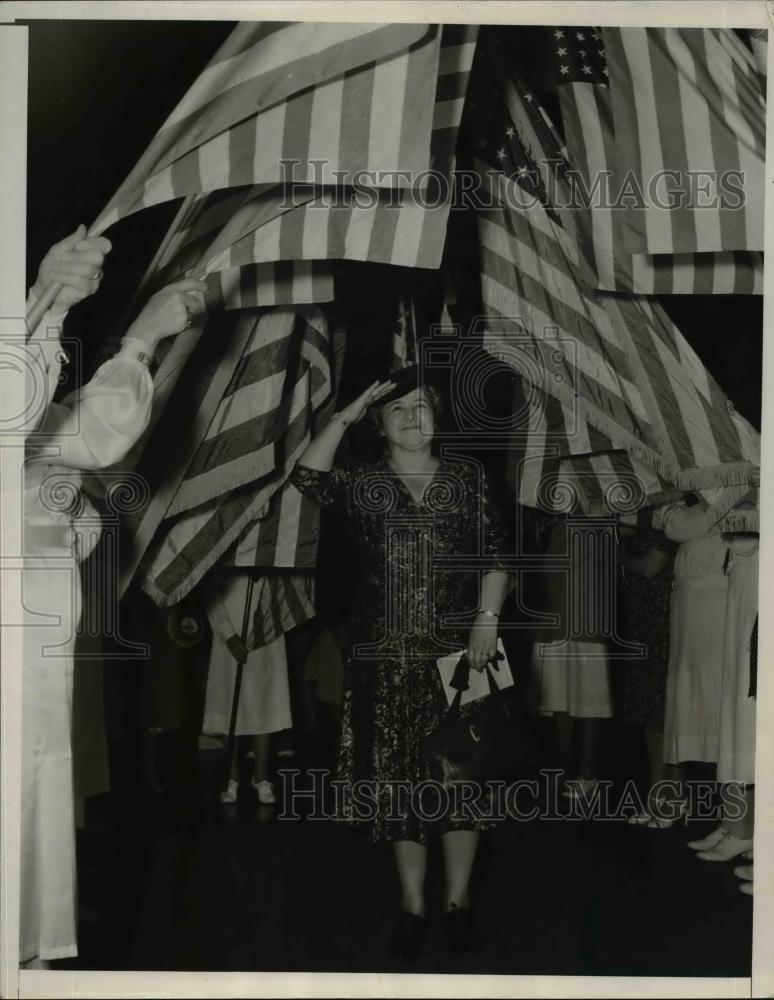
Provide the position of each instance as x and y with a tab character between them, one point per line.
404	227
237	228
283	375
214	218
282	283
615	363
344	94
281	601
562	461
286	535
256	447
688	99
592	149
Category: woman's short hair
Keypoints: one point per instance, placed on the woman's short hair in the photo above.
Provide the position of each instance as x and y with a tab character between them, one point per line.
432	396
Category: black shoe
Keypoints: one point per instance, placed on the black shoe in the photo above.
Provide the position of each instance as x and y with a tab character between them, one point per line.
460	930
409	937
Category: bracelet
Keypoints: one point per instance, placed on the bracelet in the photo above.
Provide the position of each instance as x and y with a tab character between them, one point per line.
489	614
145	359
136	348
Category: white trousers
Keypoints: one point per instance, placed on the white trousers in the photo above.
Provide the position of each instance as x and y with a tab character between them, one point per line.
52	609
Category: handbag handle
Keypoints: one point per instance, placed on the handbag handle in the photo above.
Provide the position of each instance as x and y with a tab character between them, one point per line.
460	681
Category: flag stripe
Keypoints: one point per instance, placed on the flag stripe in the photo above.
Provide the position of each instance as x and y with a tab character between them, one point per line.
275	145
694	91
267	72
274	284
266	398
389	227
624	376
280	602
587	115
192	543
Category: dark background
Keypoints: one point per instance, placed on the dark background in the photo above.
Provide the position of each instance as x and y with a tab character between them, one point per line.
98	92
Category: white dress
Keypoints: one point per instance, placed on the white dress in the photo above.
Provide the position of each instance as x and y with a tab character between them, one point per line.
264	697
736	752
93	428
571	676
696	636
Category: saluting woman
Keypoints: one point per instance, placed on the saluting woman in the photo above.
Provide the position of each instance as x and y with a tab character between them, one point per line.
404	512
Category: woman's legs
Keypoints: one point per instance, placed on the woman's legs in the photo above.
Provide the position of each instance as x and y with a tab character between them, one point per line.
654	743
589	741
411	860
459	853
234	767
262	745
564	728
742	824
674	775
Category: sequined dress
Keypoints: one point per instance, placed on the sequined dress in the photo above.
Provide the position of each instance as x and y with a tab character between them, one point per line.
417	599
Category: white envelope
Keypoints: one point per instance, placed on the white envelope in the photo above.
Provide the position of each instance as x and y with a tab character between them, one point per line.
478	682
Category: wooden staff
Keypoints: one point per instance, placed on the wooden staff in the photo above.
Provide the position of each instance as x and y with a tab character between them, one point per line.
231	738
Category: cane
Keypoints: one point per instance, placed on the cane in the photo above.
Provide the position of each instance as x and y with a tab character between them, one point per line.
230	739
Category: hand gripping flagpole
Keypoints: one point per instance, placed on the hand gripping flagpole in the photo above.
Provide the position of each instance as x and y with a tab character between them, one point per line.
231	738
38	310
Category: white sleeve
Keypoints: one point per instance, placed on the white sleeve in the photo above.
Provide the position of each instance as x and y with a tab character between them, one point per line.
43	359
680	523
95	426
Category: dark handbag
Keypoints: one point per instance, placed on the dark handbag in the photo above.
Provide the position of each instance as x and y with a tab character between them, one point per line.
488	742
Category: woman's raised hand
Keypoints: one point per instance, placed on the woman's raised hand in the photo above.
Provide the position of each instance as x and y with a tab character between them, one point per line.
357	408
75	263
169	311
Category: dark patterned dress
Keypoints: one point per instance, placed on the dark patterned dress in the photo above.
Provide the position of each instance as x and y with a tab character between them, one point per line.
646	620
416	602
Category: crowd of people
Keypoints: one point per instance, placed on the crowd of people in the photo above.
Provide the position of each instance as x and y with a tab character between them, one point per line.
432	549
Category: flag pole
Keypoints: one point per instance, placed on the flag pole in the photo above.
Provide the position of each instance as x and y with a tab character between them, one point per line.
231	737
414	335
38	310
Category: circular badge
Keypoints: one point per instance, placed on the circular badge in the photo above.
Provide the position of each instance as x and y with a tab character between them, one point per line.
184	627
